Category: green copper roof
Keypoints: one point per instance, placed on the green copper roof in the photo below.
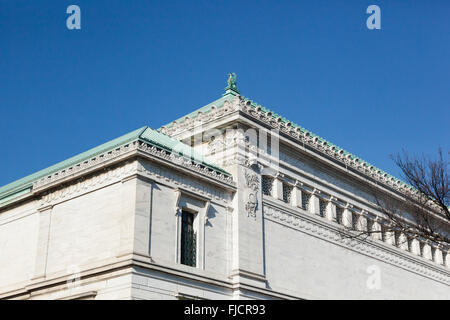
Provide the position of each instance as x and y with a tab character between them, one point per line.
230	95
217	103
322	140
146	134
230	92
167	143
27	182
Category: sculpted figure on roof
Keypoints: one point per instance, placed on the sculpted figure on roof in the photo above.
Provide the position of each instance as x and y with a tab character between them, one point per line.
232	82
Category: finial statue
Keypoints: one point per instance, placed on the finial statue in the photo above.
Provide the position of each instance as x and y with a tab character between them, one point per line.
232	83
232	79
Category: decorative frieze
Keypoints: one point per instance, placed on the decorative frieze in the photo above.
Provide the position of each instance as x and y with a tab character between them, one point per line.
164	175
87	164
117	173
125	149
186	163
84	185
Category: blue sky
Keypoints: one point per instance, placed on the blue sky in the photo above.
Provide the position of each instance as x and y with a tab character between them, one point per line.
136	63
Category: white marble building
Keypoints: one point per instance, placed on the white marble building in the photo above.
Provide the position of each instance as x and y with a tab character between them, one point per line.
215	216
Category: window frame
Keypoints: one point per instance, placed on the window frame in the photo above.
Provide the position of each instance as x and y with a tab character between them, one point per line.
192	216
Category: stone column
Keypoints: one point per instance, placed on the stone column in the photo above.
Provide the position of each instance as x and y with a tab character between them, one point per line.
330	213
415	247
377	228
427	251
438	255
278	187
347	219
297	195
362	222
314	205
402	241
43	241
389	237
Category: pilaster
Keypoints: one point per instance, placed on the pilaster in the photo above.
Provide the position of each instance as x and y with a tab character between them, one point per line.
45	215
142	217
247	226
127	217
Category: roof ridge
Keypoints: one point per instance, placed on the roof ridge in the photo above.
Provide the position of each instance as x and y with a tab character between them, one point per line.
205	109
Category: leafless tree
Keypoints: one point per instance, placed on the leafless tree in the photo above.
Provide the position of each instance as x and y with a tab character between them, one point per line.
424	214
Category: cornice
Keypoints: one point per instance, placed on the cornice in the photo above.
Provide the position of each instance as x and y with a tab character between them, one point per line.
185	163
120	154
104	162
181	185
85	167
301	136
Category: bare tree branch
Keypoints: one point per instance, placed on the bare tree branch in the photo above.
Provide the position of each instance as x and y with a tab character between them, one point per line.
426	216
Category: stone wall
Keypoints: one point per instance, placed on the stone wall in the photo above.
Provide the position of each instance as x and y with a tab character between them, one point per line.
306	257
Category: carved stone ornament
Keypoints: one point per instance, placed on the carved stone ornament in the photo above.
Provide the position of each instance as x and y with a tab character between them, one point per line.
303	137
251	205
252	188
